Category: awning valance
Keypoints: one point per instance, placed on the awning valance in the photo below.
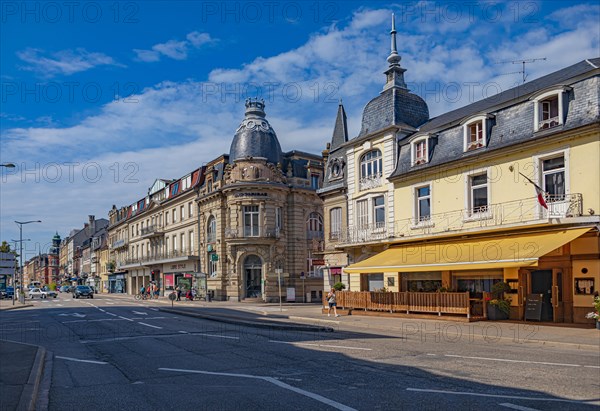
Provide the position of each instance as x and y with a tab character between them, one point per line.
518	250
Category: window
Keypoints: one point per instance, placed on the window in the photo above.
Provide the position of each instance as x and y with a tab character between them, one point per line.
167	218
212	264
251	221
181	213
379	211
211	230
174	215
174	243
335	223
314	181
478	193
548	109
423	204
314	226
362	214
420	151
553	177
137	229
475	132
182	238
167	246
190	209
191	241
132	231
278	219
371	164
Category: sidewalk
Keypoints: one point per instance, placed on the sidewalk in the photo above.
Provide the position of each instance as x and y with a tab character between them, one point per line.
530	333
21	367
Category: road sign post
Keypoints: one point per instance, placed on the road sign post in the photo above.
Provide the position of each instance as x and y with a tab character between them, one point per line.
278	271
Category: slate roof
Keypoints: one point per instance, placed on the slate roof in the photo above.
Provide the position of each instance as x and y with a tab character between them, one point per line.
512	119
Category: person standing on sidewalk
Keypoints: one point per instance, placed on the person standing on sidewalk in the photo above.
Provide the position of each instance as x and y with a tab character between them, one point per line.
178	291
331	299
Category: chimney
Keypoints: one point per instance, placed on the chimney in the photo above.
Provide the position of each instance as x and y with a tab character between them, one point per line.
92	224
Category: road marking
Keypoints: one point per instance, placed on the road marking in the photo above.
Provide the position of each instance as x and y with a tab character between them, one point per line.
148	325
78	360
431	354
110	319
125	318
514	397
73	315
274	381
139	313
110	303
114	315
184	332
321	345
156	336
591	366
153	309
516	361
517	407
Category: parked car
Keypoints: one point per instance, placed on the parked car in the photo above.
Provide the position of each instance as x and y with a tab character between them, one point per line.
65	289
38	292
83	291
3	294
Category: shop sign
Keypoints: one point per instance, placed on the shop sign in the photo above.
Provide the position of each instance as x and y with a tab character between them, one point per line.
251	195
318	261
178	266
214	257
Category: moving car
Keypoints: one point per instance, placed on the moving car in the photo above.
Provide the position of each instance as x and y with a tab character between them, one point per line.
83	291
65	289
38	292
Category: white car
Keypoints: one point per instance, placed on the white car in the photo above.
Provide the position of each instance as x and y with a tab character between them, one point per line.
38	292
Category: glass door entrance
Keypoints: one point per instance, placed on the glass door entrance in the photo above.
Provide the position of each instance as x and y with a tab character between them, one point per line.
253	276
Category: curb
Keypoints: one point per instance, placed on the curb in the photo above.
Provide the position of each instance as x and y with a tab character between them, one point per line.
15	307
256	324
30	390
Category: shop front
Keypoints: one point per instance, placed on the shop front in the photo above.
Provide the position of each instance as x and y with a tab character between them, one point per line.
117	283
180	275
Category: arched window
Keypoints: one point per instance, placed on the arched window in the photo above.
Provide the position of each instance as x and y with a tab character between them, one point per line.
371	164
314	226
211	230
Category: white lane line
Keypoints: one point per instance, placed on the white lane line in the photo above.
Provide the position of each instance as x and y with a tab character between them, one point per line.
125	318
274	381
78	360
102	310
516	361
514	397
111	319
110	303
184	332
591	366
321	345
114	315
139	313
156	336
153	309
148	325
517	407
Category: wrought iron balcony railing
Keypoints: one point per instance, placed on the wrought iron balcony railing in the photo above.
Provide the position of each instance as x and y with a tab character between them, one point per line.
252	232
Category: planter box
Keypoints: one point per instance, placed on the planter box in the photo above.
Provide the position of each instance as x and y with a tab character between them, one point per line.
495	314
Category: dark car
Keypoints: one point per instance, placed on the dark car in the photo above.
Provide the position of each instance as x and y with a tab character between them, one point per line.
83	291
3	294
65	289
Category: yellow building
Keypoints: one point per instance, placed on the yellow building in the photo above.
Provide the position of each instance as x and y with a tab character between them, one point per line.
466	209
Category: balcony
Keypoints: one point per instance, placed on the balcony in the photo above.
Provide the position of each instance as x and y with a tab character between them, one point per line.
367	183
151	231
158	258
527	211
252	232
123	242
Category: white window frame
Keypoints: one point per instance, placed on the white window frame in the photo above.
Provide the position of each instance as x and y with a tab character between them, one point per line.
539	177
469	215
362	219
537	109
467	144
378	161
376	224
254	215
211	229
413	151
314	224
416	223
335	223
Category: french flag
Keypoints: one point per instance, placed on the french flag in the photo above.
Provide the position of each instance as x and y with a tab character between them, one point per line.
540	193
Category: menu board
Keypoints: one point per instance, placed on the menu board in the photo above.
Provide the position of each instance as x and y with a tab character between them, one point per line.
533	308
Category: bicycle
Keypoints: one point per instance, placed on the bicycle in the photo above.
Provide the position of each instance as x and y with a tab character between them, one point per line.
141	296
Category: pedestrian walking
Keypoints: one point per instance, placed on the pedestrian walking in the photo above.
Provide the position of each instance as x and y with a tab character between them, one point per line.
331	299
178	291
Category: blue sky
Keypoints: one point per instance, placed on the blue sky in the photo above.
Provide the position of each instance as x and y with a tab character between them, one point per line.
98	99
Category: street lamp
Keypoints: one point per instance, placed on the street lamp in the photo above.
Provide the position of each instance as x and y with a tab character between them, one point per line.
21	224
15	249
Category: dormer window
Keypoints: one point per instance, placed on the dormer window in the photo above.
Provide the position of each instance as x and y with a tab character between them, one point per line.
475	133
548	109
419	151
371	170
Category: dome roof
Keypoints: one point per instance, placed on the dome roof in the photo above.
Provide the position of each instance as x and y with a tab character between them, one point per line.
394	106
255	137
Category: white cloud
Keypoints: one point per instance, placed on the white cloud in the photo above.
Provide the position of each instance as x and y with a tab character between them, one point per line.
63	62
177	50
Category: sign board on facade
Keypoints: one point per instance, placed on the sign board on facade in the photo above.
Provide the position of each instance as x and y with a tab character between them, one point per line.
533	308
214	257
178	266
290	294
251	195
317	261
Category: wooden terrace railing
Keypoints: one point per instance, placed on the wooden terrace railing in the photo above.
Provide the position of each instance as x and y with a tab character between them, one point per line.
406	302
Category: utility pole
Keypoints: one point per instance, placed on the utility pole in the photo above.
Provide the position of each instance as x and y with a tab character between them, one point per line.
522	62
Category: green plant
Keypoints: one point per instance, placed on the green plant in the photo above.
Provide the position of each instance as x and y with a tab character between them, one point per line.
498	299
339	286
52	286
596	313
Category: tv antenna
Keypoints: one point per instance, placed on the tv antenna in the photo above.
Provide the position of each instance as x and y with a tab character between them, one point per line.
522	62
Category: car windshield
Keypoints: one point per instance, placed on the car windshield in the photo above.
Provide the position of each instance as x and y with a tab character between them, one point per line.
83	288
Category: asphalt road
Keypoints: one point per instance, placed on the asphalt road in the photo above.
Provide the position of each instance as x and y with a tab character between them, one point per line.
114	354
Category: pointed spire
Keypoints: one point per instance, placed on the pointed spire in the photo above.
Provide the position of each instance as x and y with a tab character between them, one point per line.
395	73
340	131
393	58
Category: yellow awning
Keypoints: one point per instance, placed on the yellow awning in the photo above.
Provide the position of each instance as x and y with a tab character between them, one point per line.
517	250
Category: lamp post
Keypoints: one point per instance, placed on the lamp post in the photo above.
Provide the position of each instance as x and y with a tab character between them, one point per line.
21	223
19	268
